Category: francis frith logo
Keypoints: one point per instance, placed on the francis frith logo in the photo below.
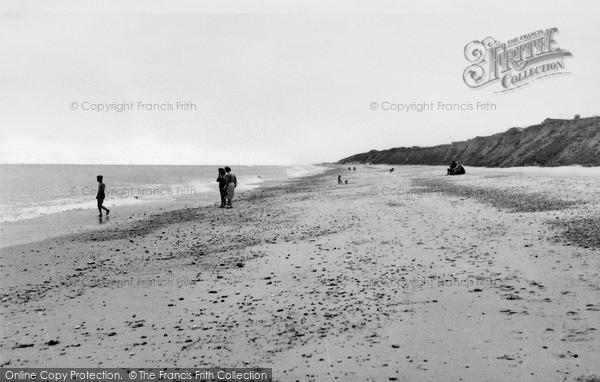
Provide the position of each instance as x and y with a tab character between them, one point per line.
514	63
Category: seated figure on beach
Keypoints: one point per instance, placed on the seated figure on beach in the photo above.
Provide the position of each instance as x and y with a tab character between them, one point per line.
458	170
452	167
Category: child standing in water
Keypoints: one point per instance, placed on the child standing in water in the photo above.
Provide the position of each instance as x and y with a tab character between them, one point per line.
100	196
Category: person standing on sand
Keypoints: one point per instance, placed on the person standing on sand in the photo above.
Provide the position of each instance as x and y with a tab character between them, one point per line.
339	179
100	196
222	187
231	184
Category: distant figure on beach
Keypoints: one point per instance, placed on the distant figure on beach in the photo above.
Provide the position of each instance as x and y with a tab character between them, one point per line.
349	169
339	179
354	168
391	170
452	167
100	196
458	170
231	184
222	187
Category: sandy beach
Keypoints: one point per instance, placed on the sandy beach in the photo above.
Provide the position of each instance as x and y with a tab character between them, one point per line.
403	276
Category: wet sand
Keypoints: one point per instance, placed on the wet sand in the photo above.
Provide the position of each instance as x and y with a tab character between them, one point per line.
408	275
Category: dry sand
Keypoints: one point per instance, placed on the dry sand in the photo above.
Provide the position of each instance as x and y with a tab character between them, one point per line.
408	275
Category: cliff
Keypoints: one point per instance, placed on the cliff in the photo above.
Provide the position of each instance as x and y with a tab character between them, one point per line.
554	142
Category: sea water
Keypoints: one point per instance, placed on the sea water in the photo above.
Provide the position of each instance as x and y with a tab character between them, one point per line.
32	190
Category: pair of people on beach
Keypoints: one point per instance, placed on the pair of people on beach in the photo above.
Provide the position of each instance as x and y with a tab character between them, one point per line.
227	184
456	169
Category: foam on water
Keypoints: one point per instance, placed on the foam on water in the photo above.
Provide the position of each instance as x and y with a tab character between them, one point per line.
305	170
29	191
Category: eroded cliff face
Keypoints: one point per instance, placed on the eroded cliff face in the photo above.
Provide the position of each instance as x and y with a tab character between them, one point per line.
554	142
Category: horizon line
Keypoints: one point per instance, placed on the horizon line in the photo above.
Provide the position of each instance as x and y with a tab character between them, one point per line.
162	164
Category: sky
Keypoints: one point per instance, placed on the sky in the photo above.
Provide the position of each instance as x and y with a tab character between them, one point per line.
271	82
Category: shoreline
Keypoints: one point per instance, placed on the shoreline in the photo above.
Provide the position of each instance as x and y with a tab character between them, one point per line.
30	230
314	279
57	224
